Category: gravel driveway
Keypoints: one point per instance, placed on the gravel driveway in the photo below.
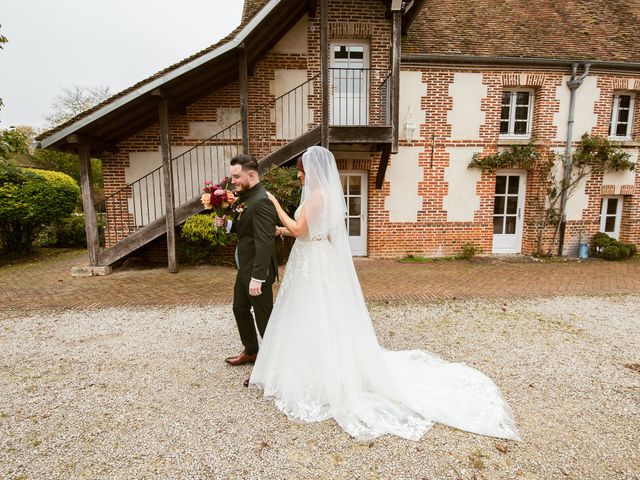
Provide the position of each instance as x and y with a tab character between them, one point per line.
144	393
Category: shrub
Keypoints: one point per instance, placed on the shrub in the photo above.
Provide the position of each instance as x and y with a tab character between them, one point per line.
29	201
603	246
468	251
284	184
201	237
67	233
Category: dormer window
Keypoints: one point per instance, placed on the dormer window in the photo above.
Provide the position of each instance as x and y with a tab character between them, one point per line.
622	116
516	113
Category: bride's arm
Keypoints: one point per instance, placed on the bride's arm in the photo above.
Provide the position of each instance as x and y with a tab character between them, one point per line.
295	228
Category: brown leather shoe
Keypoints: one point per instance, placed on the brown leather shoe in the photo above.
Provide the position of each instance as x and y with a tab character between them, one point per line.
241	359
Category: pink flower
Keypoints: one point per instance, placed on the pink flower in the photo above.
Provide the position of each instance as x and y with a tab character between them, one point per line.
218	192
208	182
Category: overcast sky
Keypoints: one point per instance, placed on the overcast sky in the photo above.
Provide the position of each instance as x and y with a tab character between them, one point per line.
114	43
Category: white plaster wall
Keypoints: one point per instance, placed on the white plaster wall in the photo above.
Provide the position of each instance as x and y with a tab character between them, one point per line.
579	200
619	178
461	201
466	117
295	41
585	118
291	114
190	171
403	175
226	116
411	91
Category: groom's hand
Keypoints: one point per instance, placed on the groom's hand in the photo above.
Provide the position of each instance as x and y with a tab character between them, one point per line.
255	288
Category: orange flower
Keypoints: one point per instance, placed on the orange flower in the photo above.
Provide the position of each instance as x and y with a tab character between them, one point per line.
206	201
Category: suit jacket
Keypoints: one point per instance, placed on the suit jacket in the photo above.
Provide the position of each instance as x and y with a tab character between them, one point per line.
255	228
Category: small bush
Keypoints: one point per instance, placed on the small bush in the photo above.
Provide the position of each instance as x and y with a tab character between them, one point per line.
603	246
469	251
200	238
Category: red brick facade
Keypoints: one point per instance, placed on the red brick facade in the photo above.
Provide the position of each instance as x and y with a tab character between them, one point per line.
431	234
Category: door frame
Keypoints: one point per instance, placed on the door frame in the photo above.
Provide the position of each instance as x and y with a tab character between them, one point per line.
603	218
364	104
364	211
522	190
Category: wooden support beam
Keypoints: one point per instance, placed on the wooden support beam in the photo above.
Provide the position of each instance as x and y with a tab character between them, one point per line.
90	223
395	77
94	144
312	8
324	69
174	105
384	162
244	97
163	110
360	134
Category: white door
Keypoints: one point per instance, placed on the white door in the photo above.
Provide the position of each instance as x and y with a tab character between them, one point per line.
354	186
610	216
508	211
349	102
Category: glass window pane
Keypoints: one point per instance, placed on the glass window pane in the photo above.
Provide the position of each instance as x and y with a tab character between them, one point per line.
354	227
610	224
522	113
504	126
621	130
501	184
498	205
340	51
512	205
623	116
510	227
343	178
522	98
514	184
520	128
354	186
612	206
625	101
506	98
497	225
504	113
354	206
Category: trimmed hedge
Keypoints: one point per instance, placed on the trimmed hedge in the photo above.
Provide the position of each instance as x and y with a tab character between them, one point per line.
603	246
29	201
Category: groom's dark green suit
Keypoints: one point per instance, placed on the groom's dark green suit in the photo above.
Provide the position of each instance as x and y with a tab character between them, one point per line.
256	258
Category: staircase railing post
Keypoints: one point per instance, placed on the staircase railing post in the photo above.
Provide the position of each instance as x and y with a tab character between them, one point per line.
163	110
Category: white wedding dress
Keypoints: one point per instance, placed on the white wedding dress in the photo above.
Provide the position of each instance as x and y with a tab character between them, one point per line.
320	357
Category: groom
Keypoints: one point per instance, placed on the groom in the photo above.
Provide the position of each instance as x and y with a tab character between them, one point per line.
254	221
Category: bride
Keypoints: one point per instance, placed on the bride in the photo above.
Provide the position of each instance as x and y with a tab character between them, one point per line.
320	357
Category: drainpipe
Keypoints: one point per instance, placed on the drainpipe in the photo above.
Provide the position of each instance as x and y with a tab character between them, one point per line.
573	85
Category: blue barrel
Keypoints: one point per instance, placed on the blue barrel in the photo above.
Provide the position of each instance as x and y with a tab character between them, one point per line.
583	251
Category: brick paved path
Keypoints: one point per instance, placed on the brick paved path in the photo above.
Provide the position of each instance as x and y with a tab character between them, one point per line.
48	283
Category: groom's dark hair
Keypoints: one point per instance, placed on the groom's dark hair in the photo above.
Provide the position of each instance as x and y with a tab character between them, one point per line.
247	162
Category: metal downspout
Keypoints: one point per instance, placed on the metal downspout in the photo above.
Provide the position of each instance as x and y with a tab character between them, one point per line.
573	85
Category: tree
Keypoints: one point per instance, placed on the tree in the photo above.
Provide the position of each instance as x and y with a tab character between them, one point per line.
3	40
12	142
75	100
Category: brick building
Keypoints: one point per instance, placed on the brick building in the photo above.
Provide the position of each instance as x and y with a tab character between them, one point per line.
404	93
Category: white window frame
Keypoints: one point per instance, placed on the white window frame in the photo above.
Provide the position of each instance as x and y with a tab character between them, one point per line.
615	110
618	215
512	114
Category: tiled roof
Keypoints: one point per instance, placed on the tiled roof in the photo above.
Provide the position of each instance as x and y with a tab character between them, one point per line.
251	7
605	30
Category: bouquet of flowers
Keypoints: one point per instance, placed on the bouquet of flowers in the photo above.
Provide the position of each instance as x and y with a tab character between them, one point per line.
218	197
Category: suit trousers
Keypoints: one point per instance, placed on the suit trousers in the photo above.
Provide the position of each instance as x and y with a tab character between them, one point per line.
242	303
